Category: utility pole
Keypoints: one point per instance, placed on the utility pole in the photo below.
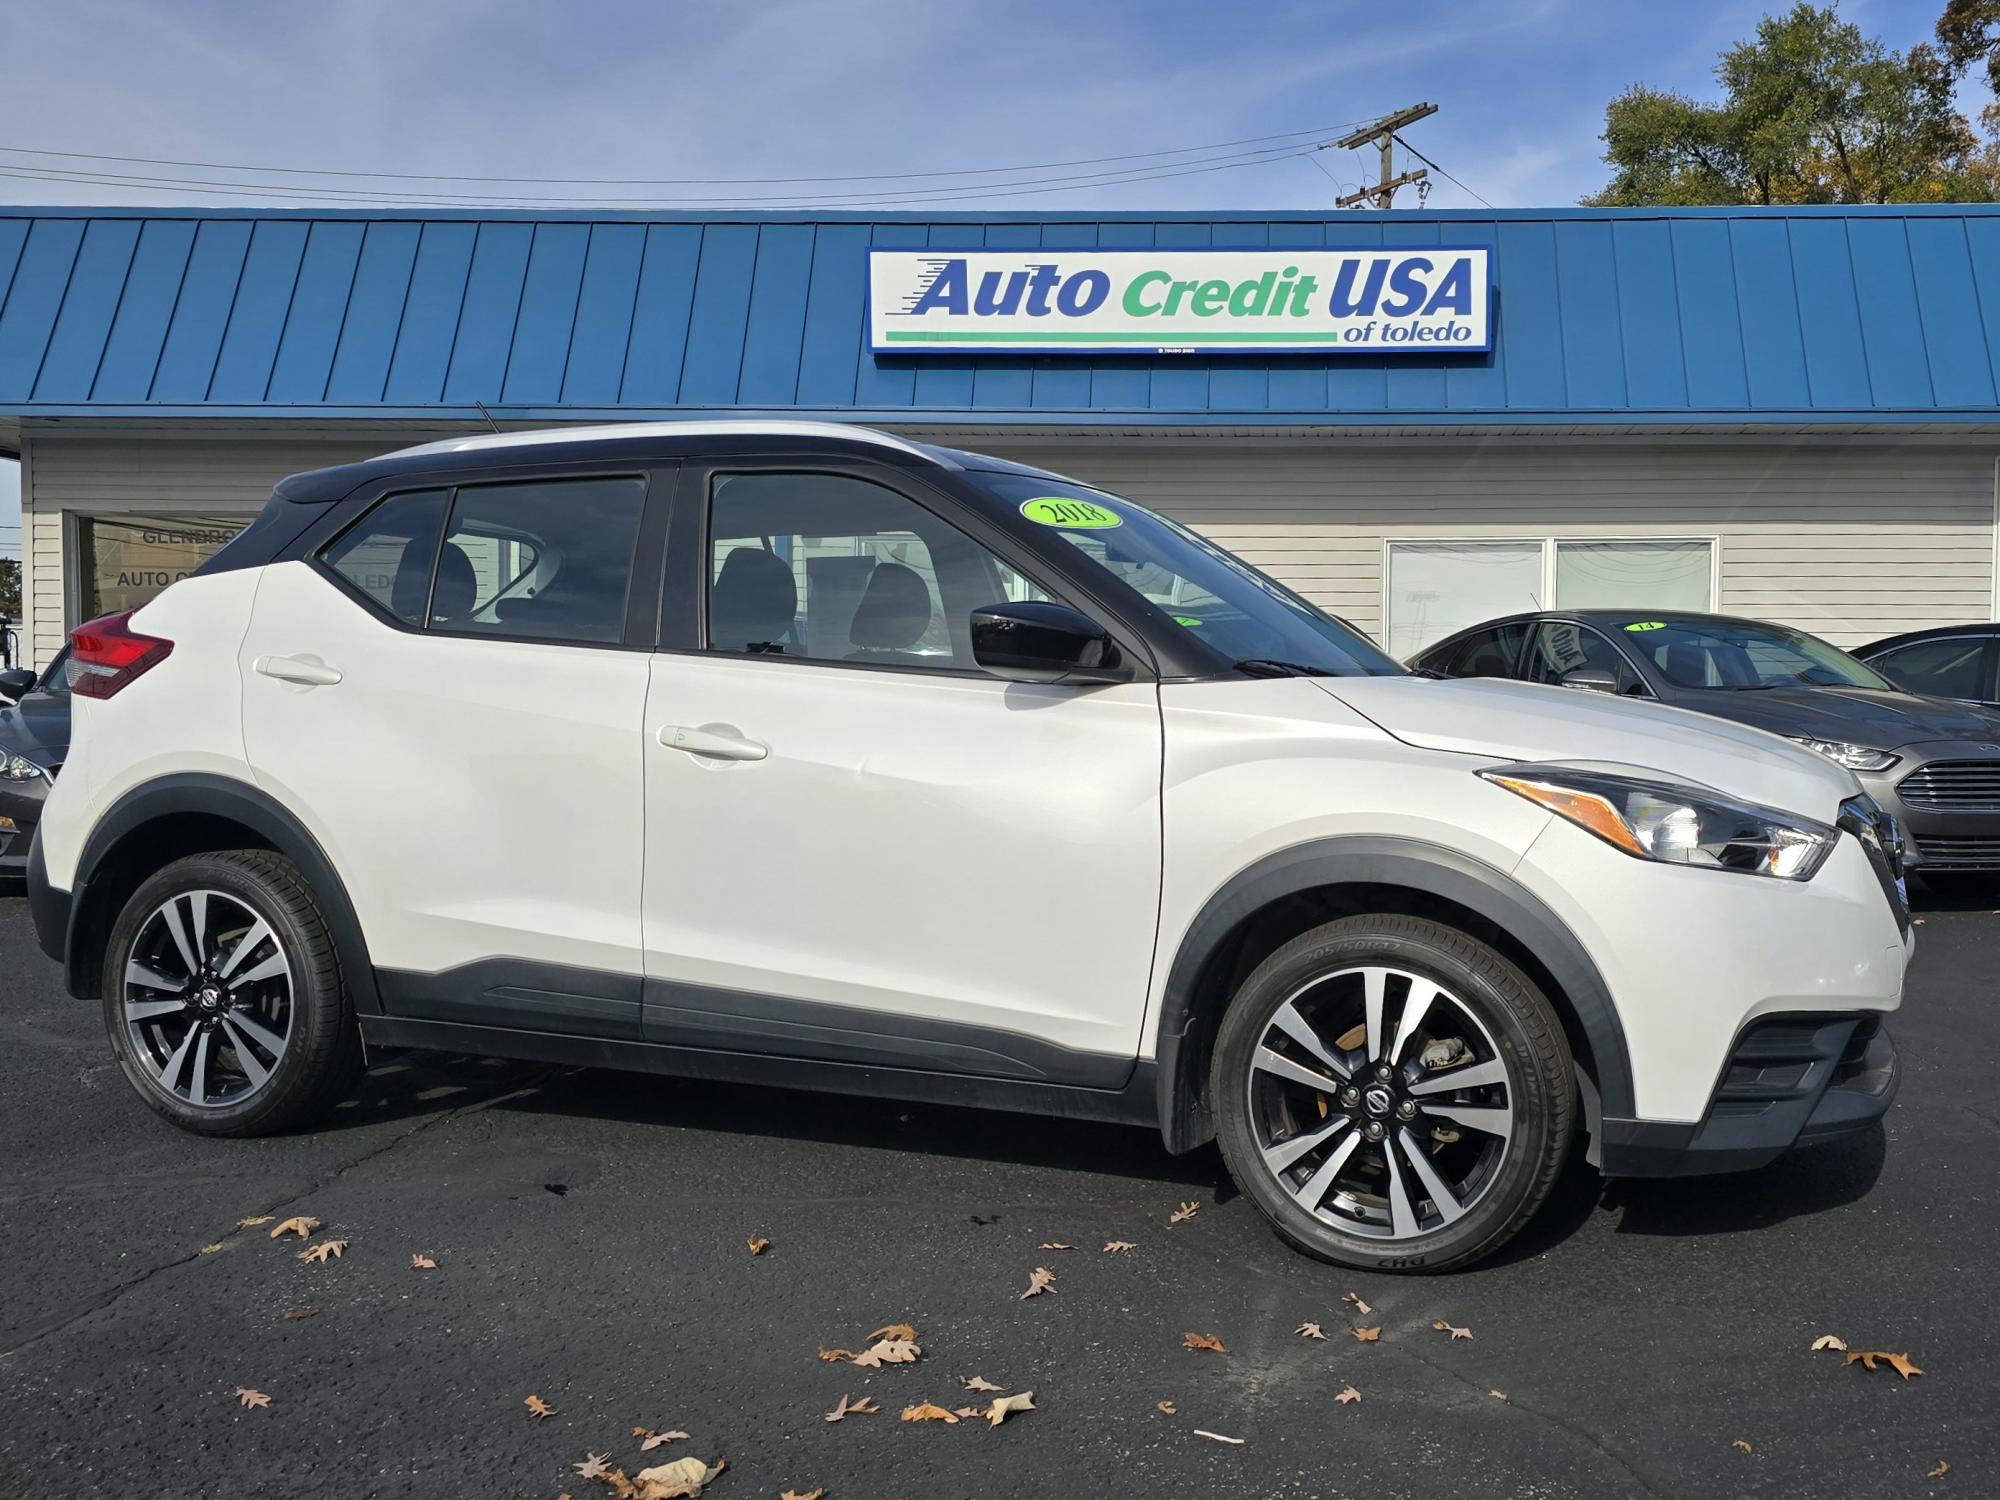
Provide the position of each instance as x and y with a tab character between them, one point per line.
1382	134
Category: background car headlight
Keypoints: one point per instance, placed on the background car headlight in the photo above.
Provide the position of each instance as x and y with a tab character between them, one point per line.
1681	825
1841	753
19	768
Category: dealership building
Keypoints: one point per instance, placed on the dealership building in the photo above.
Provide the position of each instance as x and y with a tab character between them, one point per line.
1418	420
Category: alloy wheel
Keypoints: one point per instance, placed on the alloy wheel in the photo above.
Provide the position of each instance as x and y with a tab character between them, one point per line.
1380	1102
208	1000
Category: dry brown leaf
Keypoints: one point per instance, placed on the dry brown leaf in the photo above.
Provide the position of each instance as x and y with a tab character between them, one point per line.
969	1412
1742	1447
1498	1395
887	1352
649	1439
1939	1472
1900	1363
1185	1212
1457	1333
758	1244
902	1332
808	1495
979	1383
862	1408
211	1249
325	1250
620	1485
250	1398
593	1466
830	1355
1828	1341
1353	1300
1043	1280
1118	1247
253	1221
422	1263
538	1408
1057	1245
1348	1396
1203	1341
928	1412
300	1314
1004	1407
683	1479
1369	1335
1216	1437
301	1226
1310	1331
1167	1408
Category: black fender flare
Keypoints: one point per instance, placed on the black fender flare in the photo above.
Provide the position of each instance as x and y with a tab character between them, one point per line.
1411	864
195	792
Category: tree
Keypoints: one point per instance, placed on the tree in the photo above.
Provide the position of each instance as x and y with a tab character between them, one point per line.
1812	112
1969	32
10	588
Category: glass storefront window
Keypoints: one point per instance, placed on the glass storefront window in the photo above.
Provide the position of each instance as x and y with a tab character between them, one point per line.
126	561
1436	588
1633	575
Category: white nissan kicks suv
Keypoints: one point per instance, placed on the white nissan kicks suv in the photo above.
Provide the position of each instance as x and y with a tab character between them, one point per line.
801	754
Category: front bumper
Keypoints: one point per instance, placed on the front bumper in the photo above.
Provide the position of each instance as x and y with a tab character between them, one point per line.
1791	1080
1950	828
20	810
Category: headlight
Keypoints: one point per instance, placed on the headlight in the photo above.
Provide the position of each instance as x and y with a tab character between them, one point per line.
1680	825
1854	757
19	768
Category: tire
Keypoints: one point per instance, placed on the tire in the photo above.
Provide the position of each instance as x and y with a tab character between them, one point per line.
257	1036
1291	1142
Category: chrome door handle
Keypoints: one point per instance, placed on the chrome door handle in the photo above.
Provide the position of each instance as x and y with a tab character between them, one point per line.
717	744
299	669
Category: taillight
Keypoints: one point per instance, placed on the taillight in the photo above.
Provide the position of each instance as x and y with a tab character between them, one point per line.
107	655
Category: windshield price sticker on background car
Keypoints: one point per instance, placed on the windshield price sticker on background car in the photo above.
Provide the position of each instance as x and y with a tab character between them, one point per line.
1075	515
1428	299
1639	626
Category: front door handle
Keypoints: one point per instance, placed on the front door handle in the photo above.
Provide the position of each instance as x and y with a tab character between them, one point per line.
308	671
714	742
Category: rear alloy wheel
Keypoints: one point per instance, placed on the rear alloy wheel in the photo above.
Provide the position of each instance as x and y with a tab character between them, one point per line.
1394	1094
223	997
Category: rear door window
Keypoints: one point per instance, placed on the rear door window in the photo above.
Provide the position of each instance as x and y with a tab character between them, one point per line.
1485	653
1954	667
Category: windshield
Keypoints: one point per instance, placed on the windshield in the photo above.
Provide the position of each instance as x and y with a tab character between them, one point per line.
1229	605
1732	655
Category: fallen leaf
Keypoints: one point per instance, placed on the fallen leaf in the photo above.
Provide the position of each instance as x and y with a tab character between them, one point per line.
758	1245
538	1408
325	1250
862	1408
683	1479
1004	1407
1498	1395
649	1439
211	1249
1828	1341
250	1398
1742	1447
300	1314
1043	1280
1349	1396
900	1331
1167	1407
1202	1341
1939	1472
593	1466
1310	1331
1118	1247
253	1221
808	1495
1457	1333
830	1355
969	1412
979	1383
928	1412
422	1263
1185	1212
1353	1300
887	1352
1369	1335
1057	1245
301	1226
1216	1437
1900	1363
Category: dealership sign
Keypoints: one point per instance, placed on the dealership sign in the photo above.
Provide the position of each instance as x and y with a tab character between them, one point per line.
1435	300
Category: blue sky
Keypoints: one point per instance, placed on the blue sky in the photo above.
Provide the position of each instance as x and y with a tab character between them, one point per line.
811	88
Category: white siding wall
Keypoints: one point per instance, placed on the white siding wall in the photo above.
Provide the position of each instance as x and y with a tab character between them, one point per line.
1848	539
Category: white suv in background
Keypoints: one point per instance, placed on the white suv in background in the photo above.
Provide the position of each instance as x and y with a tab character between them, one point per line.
805	755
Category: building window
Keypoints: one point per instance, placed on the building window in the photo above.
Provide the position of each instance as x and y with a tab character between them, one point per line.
126	561
1436	588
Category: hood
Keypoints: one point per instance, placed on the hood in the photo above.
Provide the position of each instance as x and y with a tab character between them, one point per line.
37	727
1502	720
1861	716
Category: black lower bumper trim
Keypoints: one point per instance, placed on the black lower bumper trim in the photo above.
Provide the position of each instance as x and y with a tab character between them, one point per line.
1829	1077
48	906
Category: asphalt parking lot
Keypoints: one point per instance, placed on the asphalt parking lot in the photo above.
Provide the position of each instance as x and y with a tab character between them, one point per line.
590	1233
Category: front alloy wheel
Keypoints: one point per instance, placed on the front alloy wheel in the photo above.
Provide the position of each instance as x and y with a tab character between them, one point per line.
1393	1094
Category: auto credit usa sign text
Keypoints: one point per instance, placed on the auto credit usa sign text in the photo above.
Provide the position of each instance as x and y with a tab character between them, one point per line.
1429	300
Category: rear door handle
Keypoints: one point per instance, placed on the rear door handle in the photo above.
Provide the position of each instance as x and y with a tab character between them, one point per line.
715	743
307	671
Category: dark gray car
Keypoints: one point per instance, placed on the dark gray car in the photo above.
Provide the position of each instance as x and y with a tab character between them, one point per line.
34	742
1932	762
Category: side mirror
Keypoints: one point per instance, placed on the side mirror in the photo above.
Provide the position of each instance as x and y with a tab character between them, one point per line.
15	683
1591	680
1037	642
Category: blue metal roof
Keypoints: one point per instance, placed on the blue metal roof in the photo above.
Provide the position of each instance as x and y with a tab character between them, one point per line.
1615	316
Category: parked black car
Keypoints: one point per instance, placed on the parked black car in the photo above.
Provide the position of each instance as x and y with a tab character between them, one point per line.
1955	661
1932	762
34	741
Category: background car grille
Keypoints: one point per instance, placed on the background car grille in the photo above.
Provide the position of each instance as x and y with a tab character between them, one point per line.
1945	852
1953	783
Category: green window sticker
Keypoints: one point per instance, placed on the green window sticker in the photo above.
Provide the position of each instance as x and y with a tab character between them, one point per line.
1642	625
1188	620
1074	515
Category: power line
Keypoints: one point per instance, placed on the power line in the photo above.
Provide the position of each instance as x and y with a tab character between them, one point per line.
1436	168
